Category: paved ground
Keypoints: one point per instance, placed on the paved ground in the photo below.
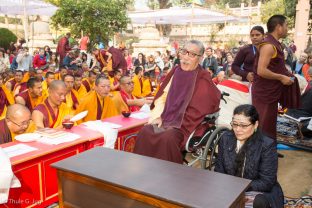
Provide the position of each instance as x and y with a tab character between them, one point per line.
295	173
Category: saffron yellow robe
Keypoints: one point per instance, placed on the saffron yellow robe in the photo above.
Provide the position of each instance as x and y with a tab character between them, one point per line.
82	91
147	88
10	99
119	103
91	85
90	103
137	89
70	102
45	89
26	77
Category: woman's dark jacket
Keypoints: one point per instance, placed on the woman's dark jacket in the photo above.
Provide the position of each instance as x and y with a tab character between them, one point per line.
260	167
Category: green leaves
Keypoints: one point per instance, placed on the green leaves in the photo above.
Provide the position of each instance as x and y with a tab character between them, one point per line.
101	18
6	38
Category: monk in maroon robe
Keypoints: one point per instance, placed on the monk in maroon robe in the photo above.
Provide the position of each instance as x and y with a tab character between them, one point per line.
273	83
15	82
119	61
103	57
32	96
189	95
17	121
63	47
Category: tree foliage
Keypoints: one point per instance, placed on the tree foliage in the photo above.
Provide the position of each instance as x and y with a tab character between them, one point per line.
6	38
100	18
271	8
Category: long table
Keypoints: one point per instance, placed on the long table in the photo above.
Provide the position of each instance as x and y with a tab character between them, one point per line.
108	178
39	180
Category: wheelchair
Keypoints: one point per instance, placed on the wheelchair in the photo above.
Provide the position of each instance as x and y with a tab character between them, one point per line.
204	147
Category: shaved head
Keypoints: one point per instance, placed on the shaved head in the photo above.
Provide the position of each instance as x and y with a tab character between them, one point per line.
18	118
124	79
56	84
57	92
17	110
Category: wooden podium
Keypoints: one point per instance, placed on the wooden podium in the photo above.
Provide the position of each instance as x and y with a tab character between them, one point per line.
103	177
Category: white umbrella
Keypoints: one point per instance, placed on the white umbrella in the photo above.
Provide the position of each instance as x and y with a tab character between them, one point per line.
26	8
184	16
31	7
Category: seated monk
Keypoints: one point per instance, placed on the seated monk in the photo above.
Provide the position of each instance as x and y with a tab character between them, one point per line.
49	77
15	85
17	121
39	74
79	87
147	88
115	81
89	82
30	73
97	102
32	96
104	58
71	98
185	97
6	98
137	81
52	111
60	75
124	100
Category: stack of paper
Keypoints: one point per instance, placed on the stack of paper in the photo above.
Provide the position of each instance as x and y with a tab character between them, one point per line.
140	115
51	133
99	124
67	137
108	129
18	149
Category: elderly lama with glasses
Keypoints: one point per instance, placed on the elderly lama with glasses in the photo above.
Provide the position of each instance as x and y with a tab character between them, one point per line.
245	152
185	97
17	121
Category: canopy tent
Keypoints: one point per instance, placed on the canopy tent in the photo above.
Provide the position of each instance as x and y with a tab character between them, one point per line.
182	16
26	7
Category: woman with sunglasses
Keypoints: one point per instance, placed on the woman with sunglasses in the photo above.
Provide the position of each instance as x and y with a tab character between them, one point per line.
246	152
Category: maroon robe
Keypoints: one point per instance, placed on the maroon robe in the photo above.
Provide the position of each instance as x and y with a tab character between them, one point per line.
102	53
63	48
266	93
3	100
87	85
44	108
5	134
25	96
13	83
23	87
244	61
168	143
119	61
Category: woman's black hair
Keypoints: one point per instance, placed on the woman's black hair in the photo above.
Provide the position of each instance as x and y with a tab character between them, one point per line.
250	112
258	28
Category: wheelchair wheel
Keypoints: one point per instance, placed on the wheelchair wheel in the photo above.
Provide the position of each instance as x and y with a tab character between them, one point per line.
211	147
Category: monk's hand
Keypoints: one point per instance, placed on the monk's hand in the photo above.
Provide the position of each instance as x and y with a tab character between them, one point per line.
286	80
250	77
148	100
157	122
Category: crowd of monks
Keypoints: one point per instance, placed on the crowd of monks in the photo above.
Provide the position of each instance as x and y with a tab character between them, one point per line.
52	97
